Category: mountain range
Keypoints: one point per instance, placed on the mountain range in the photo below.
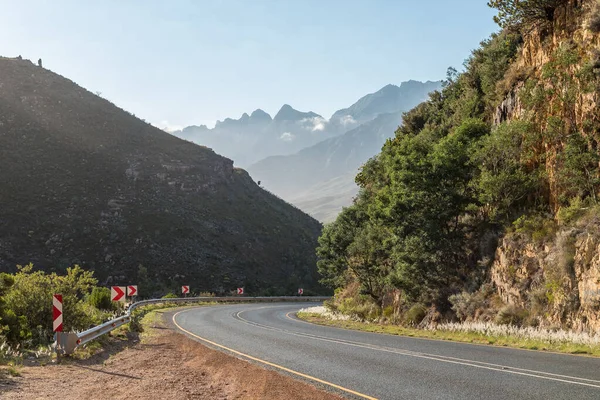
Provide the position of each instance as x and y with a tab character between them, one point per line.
253	137
301	156
85	182
256	136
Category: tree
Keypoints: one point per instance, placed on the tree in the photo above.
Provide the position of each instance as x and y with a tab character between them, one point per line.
369	261
334	241
578	170
503	180
524	14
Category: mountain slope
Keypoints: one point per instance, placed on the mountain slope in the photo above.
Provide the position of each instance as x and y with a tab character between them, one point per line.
82	181
325	199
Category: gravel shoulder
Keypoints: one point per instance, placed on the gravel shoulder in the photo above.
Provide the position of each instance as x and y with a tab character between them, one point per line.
161	364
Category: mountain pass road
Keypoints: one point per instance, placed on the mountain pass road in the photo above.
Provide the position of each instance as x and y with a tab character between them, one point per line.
375	366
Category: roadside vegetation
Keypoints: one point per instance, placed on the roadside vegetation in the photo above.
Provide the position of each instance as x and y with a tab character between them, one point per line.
502	152
528	338
26	315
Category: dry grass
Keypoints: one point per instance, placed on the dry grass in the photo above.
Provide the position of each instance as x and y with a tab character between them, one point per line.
478	333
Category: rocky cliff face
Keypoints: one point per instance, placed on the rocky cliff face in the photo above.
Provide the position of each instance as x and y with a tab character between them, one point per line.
558	274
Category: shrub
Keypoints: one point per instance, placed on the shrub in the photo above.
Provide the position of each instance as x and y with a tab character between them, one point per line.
170	295
538	227
511	315
29	304
471	306
415	314
573	211
100	299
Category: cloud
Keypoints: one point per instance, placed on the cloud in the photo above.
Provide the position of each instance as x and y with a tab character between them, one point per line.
347	120
167	126
287	136
314	124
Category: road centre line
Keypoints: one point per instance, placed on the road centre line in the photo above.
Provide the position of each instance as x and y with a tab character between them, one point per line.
452	360
460	359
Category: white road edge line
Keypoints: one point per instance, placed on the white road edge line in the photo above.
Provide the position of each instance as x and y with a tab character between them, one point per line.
510	370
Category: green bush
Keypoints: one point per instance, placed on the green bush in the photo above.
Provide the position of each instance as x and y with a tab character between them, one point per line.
538	227
573	211
100	299
511	315
28	304
415	314
170	295
361	308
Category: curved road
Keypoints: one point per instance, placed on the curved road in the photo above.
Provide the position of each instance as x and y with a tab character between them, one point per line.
375	366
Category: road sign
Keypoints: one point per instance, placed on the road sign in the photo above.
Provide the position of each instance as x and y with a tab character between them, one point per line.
300	291
240	290
117	293
185	289
57	314
132	290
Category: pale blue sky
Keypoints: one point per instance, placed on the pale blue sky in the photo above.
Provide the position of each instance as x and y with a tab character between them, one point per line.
182	62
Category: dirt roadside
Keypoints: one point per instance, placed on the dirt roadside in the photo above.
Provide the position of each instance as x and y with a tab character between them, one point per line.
162	365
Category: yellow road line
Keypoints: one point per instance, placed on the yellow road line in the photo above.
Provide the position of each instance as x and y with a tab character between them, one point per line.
291	371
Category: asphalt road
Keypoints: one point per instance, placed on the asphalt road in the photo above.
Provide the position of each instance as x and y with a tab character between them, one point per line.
370	365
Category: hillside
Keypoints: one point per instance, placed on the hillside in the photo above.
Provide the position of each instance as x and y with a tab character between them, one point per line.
484	206
326	199
84	182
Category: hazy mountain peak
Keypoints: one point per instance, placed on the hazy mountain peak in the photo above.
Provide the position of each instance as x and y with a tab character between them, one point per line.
195	128
259	114
388	99
287	113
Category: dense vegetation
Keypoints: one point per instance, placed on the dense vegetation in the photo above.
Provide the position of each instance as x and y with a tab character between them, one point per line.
26	304
434	202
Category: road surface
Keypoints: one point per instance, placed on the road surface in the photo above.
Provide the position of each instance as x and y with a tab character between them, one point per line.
374	366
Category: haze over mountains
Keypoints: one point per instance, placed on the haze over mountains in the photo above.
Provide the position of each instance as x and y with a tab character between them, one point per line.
82	181
295	153
256	136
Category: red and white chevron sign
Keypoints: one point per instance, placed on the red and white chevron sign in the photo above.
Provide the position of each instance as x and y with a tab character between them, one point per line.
57	314
240	290
132	290
117	293
301	291
185	289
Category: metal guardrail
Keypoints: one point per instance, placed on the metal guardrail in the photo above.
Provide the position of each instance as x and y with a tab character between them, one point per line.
66	343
